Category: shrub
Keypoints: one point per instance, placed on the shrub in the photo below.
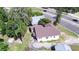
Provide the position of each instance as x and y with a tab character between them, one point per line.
36	13
3	45
44	21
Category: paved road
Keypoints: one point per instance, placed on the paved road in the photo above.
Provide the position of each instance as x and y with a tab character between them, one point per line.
70	26
67	24
67	16
70	18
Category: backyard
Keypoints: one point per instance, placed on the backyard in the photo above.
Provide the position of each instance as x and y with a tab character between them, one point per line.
24	45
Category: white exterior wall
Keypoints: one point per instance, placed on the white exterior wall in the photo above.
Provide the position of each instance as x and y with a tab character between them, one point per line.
48	39
35	19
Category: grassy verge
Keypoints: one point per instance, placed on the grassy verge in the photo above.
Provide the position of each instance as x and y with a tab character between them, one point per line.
36	9
75	47
24	45
77	14
63	29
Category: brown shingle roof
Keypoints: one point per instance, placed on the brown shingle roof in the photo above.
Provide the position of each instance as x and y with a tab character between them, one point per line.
48	30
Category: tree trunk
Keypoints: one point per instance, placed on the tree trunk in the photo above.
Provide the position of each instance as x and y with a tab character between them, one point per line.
58	17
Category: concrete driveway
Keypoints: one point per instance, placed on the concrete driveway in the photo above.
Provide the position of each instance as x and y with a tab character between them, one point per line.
38	45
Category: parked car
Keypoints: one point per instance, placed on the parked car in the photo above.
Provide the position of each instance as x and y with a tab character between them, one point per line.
61	47
53	48
75	20
45	10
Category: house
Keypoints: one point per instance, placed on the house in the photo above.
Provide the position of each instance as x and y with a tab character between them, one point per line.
45	33
35	19
62	47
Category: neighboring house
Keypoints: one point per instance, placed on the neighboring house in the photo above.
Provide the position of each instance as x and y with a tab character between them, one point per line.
61	47
35	19
45	33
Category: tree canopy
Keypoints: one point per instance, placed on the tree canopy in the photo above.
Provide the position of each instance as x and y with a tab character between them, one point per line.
3	20
18	20
15	21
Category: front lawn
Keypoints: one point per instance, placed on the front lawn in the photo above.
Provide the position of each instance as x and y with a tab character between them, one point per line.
75	47
69	33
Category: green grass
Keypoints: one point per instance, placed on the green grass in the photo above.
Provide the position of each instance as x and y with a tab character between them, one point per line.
75	47
68	32
24	45
77	14
15	47
36	9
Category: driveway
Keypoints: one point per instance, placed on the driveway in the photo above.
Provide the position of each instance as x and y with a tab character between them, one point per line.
34	45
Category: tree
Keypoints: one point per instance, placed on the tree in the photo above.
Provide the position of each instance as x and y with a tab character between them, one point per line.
18	20
58	17
3	20
3	14
3	45
10	28
21	13
29	13
60	10
44	21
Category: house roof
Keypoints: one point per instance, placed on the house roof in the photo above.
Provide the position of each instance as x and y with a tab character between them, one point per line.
62	47
35	19
48	30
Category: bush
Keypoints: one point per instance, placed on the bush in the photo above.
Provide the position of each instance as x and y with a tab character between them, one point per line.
3	45
44	21
1	40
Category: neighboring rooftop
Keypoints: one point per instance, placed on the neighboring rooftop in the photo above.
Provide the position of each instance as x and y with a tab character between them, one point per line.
35	19
45	31
63	47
